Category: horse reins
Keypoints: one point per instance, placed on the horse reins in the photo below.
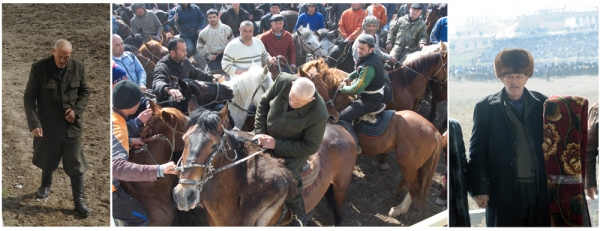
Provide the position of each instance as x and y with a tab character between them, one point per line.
162	137
342	57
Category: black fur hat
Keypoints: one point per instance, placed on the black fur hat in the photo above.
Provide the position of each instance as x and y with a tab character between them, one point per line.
513	60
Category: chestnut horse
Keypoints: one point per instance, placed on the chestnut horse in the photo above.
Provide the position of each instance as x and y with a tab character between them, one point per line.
163	135
153	50
415	140
252	191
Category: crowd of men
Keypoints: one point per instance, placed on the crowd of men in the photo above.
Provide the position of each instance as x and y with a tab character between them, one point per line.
225	37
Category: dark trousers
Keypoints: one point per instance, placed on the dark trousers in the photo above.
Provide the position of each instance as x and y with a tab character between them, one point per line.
216	64
48	154
528	204
367	103
128	209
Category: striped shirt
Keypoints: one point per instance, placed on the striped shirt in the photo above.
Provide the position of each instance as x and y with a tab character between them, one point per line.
238	55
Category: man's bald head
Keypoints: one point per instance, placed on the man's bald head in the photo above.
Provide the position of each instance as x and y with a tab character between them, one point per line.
302	92
62	52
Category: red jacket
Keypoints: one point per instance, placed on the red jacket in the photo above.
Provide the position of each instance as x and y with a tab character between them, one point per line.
283	46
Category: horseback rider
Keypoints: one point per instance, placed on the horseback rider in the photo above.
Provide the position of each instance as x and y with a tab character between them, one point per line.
145	21
189	19
368	83
128	61
291	120
265	21
174	66
407	34
126	100
279	42
369	27
213	39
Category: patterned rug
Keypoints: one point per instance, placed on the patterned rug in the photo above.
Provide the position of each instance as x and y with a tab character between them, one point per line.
565	136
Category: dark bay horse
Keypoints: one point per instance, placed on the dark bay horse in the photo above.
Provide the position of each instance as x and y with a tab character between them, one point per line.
340	56
206	93
252	192
291	17
163	135
415	140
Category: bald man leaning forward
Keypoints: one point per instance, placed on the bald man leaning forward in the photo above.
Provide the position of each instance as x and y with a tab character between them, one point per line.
293	128
55	98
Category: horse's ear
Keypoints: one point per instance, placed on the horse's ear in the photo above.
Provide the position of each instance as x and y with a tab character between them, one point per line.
154	106
167	117
193	104
308	26
224	116
302	73
442	46
149	39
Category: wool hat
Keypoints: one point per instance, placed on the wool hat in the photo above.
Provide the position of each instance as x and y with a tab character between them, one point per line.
126	95
512	61
274	4
417	6
136	5
366	38
276	17
118	73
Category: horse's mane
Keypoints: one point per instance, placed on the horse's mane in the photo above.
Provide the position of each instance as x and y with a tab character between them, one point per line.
132	49
178	116
323	33
247	82
417	54
424	62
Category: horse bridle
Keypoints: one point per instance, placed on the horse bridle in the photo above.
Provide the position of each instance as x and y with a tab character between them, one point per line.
152	54
303	45
342	57
443	66
209	169
162	137
253	95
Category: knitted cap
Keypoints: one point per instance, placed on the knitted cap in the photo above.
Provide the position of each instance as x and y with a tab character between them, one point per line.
118	73
126	95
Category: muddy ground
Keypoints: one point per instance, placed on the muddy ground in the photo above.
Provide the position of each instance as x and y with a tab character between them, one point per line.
28	34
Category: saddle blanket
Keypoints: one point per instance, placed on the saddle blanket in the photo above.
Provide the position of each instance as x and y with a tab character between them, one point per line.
377	128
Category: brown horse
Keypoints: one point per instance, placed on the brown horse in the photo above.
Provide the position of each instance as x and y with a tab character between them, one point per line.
153	50
252	192
415	140
123	29
166	37
163	135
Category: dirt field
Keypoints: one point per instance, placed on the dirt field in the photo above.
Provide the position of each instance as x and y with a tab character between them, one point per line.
28	34
462	104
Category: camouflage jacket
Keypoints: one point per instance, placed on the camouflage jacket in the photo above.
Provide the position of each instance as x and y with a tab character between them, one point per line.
404	32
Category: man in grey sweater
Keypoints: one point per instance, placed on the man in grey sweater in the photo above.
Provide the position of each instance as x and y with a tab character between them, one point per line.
145	22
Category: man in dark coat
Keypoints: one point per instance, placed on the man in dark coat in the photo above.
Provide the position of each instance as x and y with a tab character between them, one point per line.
233	17
172	67
291	120
506	170
55	99
458	208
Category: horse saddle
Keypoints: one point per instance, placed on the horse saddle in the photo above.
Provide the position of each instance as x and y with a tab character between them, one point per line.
376	125
311	170
372	117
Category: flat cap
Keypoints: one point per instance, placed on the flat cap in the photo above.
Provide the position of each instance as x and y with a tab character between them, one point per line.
275	18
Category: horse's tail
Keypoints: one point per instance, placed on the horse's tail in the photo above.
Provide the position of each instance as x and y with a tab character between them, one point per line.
427	172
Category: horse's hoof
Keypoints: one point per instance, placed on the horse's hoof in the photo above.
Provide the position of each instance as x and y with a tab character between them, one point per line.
396	212
384	167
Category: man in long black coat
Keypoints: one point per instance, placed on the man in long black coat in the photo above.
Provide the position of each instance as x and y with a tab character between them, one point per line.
506	170
55	98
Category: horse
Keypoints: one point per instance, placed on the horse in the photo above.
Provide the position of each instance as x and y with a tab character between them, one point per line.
340	56
147	63
136	40
325	38
417	143
291	17
252	187
165	38
163	135
154	50
206	93
123	29
248	88
433	14
306	42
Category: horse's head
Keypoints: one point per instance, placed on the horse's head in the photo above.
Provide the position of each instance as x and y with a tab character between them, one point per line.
325	38
307	41
205	139
154	50
168	122
323	91
123	29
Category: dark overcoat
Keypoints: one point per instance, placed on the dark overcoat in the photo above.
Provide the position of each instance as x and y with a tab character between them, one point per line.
47	97
458	206
492	168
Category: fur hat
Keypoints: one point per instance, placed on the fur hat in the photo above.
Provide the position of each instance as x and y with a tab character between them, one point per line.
126	95
370	19
513	60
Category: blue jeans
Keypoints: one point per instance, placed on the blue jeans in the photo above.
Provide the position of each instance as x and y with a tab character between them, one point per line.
190	46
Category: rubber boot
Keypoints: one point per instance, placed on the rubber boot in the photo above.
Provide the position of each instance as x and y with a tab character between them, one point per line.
44	189
350	130
298	213
78	195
